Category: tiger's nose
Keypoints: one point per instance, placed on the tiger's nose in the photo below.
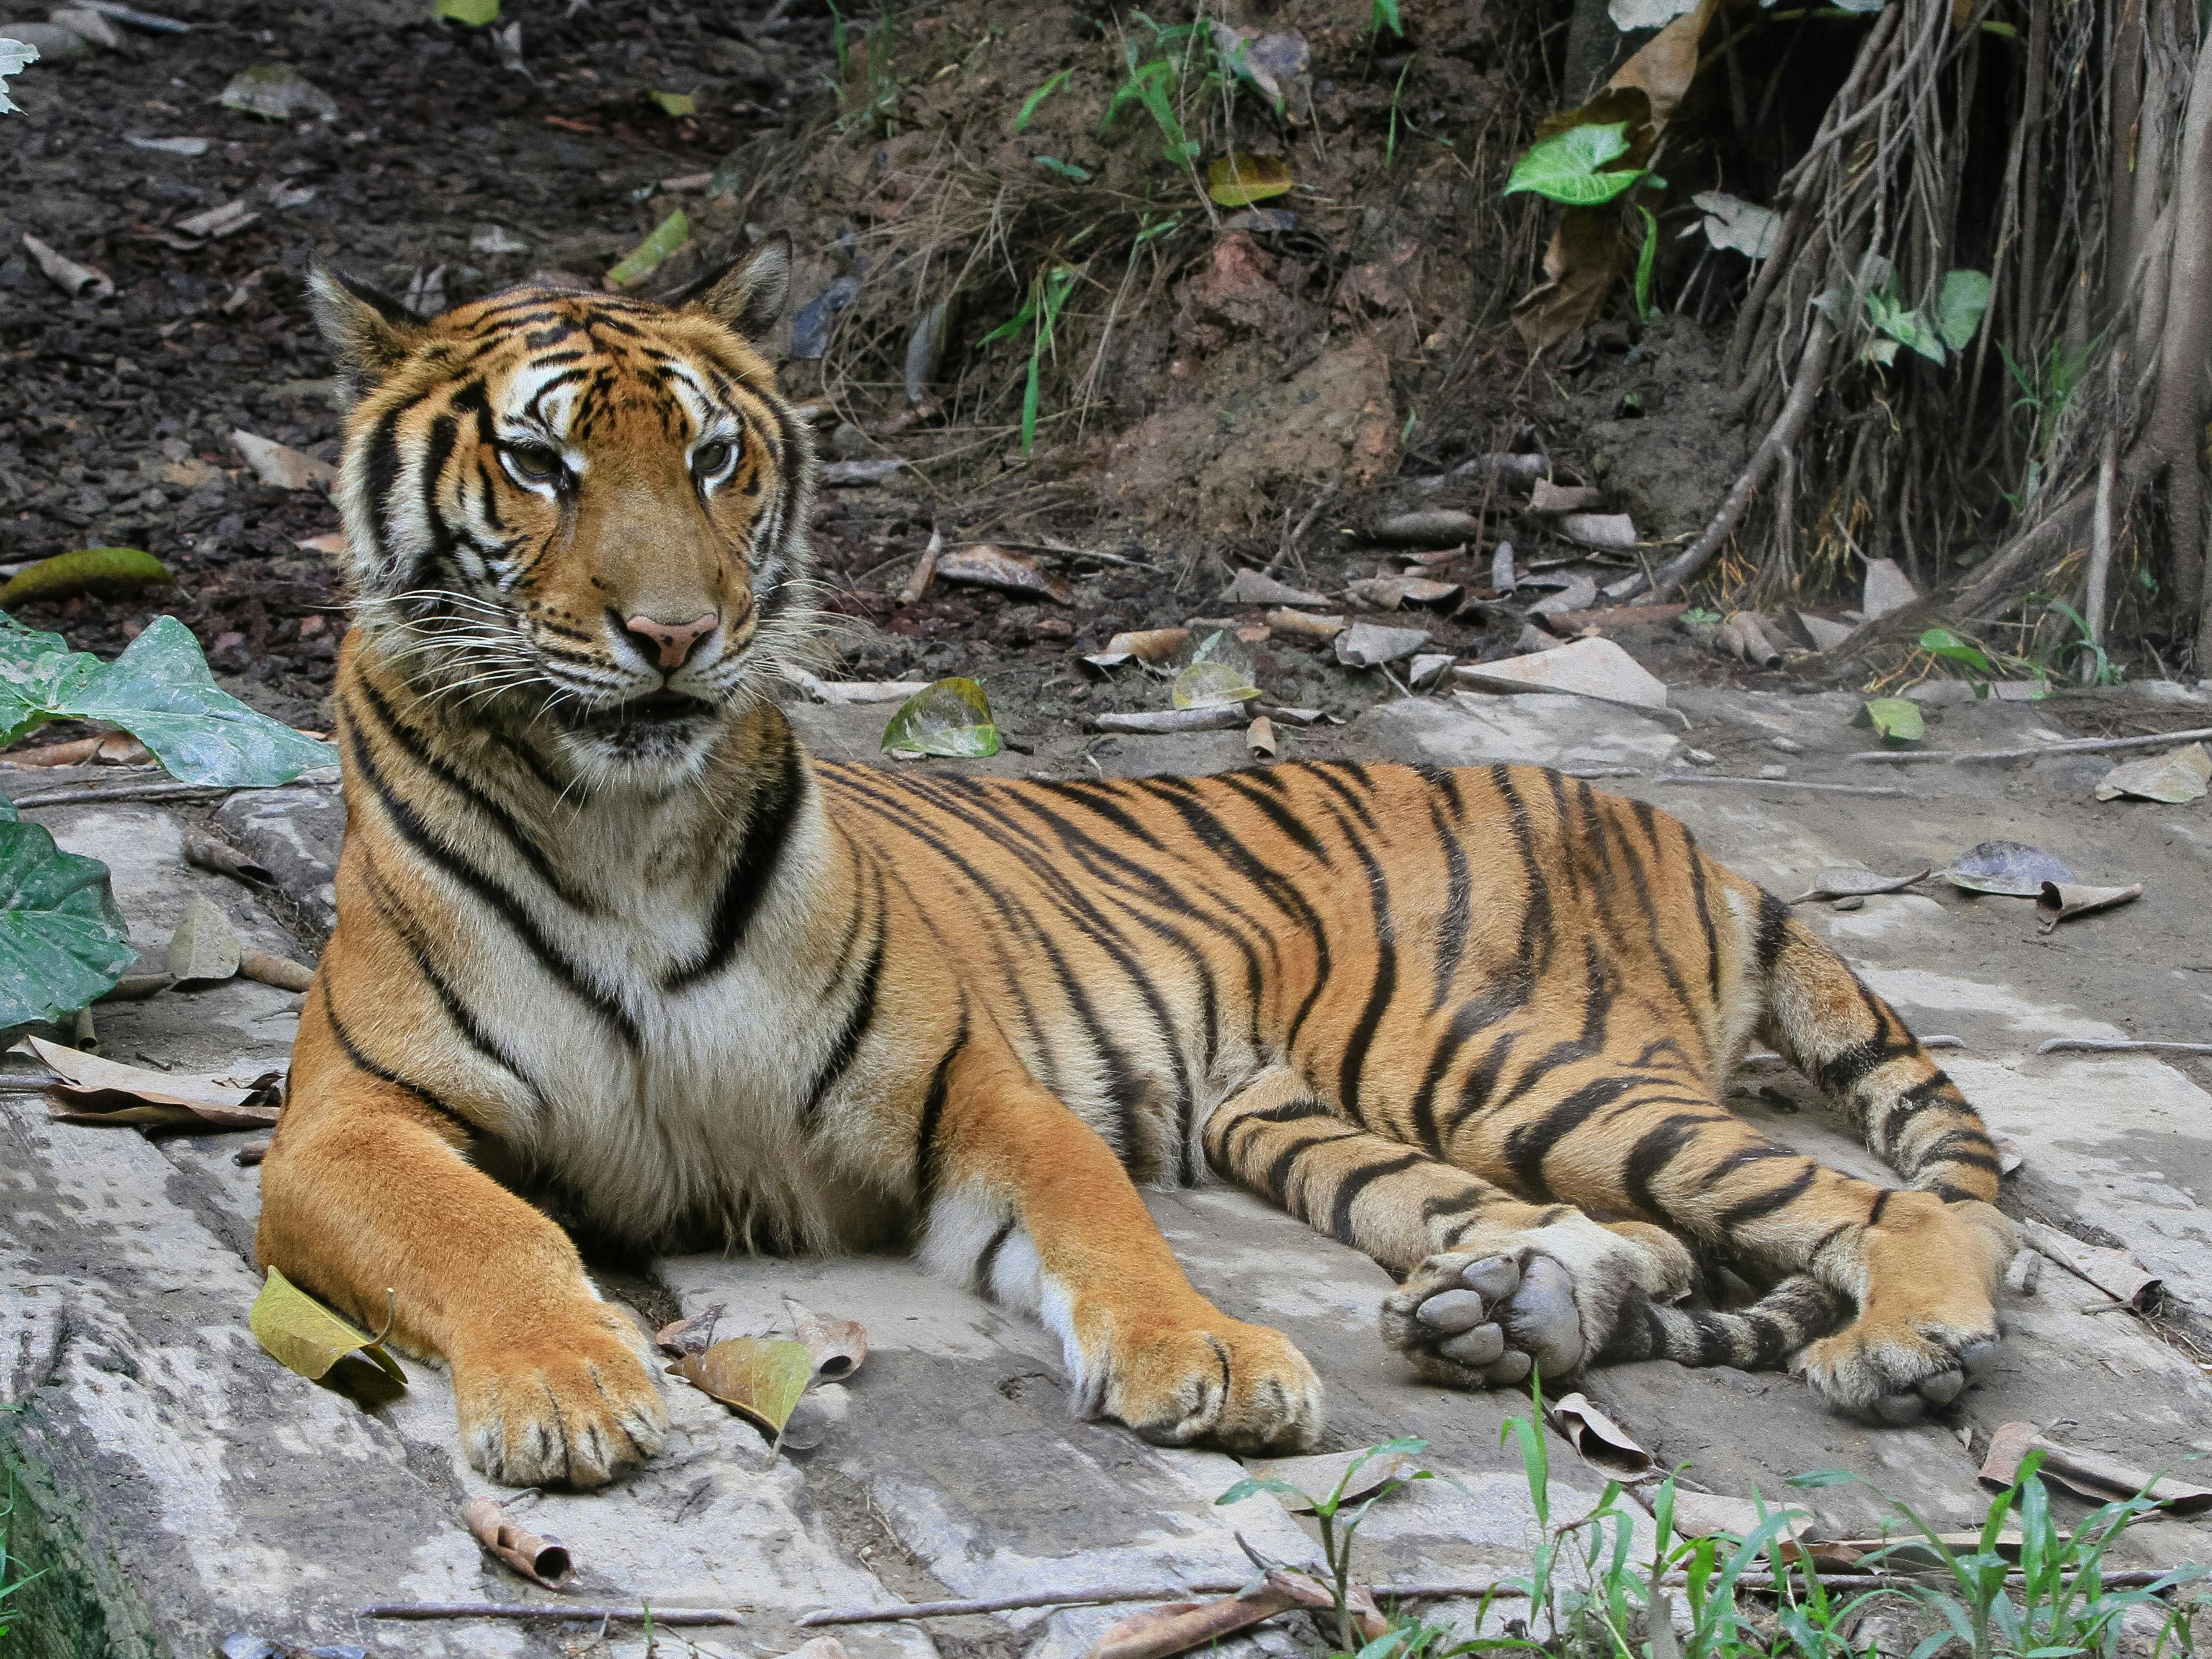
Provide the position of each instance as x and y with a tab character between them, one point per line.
669	644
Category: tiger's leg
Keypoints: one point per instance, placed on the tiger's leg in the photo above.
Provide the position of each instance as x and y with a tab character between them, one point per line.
1029	1204
1920	1273
1492	1284
366	1195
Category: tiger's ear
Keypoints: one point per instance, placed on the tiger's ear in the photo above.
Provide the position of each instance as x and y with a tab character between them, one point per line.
369	333
750	295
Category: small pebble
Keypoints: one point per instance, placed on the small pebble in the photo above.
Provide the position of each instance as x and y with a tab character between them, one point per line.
1774	771
1854	902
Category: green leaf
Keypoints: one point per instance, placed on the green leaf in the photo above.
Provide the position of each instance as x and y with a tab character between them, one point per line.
1896	720
62	940
1029	104
474	13
308	1339
950	719
1905	325
1568	166
1066	169
92	570
1206	685
670	234
675	103
161	692
1253	1486
1942	642
762	1378
1240	179
1959	308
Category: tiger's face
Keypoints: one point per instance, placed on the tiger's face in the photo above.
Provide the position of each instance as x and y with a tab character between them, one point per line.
576	511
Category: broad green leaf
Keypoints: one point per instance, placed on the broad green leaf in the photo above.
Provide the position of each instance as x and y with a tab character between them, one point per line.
670	234
1219	674
1905	325
92	570
1896	720
161	692
675	103
1942	642
15	56
308	1339
475	13
1568	166
762	1378
1241	179
950	719
1959	308
62	940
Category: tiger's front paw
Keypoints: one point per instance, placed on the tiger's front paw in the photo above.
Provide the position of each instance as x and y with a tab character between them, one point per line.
568	1402
1242	1387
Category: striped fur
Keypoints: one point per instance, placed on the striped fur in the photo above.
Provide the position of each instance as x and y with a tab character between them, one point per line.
642	957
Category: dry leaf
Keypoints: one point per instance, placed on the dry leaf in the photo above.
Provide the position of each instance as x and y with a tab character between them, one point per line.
761	1378
1306	624
267	967
1008	573
838	1345
1241	179
1320	1471
2093	1475
282	467
1255	587
102	1091
1149	645
1715	1515
1159	1633
1545	496
1389	592
1607	529
1431	527
1370	645
693	1334
1259	741
1664	65
924	572
2116	1272
2063	901
307	1339
204	948
78	282
542	1560
1588	668
220	856
2173	778
1600	1439
1840	882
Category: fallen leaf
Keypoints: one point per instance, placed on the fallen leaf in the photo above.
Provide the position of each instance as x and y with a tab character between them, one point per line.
282	467
1240	179
495	239
1430	527
308	1339
846	692
1587	668
267	967
692	1334
1370	645
184	146
1841	882
2116	1272
666	237
838	1345
1259	740
1602	1441
1151	722
847	475
97	1090
96	570
1585	258
1826	635
1887	589
951	720
1389	592
926	346
1579	594
108	748
678	104
1177	1627
2010	869
332	544
1732	222
2092	1475
78	282
1255	588
1663	67
277	92
1610	530
1895	720
217	222
1365	1471
1149	645
540	1559
1718	1515
924	572
203	950
1208	684
2063	901
1428	668
761	1378
1545	496
2176	776
1008	573
1306	624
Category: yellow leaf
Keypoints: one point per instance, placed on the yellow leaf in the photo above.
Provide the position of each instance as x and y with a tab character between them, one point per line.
761	1378
306	1338
670	234
1241	179
675	103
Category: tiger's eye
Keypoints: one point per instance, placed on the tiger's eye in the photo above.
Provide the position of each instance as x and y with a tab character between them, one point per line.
538	463
711	458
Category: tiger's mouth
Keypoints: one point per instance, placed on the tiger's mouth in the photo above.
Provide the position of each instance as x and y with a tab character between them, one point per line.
661	710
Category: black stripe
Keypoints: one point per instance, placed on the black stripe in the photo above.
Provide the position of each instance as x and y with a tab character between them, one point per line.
745	881
1773	931
1527	1144
1385	987
987	1263
857	1018
933	1112
1536	926
1766	1203
1349	1189
1452	925
414	1091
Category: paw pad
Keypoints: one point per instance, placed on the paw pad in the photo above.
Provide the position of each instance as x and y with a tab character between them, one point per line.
1486	1321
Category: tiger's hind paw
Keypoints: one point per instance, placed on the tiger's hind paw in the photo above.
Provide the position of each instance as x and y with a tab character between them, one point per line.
1895	1378
1484	1322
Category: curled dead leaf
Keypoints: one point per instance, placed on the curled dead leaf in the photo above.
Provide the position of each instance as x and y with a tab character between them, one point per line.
541	1559
694	1334
838	1345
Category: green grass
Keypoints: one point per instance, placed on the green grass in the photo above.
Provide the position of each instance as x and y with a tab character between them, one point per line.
2041	1597
12	1579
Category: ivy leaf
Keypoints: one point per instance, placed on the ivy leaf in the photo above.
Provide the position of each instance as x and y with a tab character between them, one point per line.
678	104
762	1378
1896	720
62	940
1960	306
1568	167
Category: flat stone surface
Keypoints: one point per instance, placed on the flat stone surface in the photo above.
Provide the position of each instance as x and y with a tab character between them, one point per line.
182	1486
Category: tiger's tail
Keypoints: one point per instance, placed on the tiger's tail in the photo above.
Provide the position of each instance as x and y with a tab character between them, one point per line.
1828	1024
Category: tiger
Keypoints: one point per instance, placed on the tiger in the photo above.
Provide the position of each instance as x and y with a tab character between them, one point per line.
616	959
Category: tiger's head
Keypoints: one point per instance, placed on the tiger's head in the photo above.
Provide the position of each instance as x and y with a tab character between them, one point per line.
580	512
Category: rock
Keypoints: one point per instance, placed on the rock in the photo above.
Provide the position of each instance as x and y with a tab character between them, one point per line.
96	30
277	92
1934	694
293	833
1252	587
204	951
1436	527
1825	635
1587	668
1370	645
1887	589
55	41
1598	529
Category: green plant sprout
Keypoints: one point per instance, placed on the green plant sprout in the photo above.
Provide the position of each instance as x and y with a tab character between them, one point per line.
1029	104
1039	313
1384	14
1935	335
1575	168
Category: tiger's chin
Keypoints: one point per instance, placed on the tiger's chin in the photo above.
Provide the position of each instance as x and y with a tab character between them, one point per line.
655	740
